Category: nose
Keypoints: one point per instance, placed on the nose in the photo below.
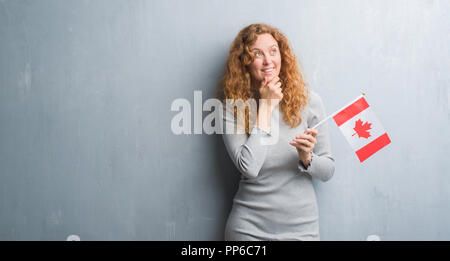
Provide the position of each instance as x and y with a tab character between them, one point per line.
267	60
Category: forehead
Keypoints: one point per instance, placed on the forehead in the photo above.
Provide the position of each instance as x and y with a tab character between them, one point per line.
264	41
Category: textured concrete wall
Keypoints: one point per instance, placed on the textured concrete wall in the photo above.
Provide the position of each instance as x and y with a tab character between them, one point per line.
86	88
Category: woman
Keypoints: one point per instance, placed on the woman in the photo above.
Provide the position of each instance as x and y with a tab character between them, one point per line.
276	198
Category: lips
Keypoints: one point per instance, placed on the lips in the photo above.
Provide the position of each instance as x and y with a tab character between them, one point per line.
268	70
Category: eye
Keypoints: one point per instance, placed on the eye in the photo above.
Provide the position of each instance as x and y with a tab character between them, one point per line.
273	51
258	54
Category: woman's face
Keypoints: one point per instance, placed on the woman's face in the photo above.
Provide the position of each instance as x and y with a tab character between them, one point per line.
267	61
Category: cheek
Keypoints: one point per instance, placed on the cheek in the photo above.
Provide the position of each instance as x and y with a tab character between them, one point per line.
255	67
278	61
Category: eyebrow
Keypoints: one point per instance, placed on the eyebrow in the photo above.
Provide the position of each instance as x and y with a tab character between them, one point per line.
254	48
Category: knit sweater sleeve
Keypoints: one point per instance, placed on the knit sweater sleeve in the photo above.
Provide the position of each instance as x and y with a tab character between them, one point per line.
247	151
322	162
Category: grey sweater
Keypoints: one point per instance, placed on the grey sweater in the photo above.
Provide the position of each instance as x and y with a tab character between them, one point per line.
276	199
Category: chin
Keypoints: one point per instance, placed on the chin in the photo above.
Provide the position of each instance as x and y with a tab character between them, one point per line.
270	77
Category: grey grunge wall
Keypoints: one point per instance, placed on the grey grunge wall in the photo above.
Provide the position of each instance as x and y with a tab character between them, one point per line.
86	87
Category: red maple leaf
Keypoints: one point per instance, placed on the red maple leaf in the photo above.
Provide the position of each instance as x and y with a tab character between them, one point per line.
362	129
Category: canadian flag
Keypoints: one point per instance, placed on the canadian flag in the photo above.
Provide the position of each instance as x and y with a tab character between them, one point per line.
361	128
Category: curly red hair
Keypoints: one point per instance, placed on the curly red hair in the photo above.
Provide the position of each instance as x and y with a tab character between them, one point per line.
236	83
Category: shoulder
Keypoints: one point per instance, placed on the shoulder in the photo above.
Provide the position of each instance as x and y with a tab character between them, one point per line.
314	110
315	102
